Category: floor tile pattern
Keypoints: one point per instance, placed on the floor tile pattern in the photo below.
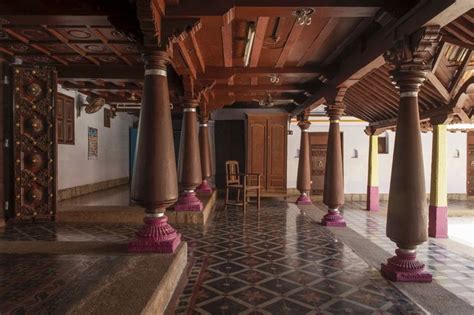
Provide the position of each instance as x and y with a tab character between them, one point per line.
278	261
452	271
48	284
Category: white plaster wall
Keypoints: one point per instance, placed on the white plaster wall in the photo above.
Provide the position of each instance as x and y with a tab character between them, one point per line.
74	169
355	169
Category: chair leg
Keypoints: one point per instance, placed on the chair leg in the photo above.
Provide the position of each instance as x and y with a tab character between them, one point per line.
226	198
244	200
238	195
258	199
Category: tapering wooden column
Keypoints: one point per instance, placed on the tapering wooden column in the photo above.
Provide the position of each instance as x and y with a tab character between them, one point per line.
205	151
407	220
333	195
438	210
303	182
191	175
373	174
154	184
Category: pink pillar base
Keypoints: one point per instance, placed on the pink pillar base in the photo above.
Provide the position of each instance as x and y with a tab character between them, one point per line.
188	201
373	198
303	200
403	267
204	188
438	222
333	219
156	236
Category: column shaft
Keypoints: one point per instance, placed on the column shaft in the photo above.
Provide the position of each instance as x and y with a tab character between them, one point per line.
205	151
154	184
438	211
304	165
191	175
373	175
333	195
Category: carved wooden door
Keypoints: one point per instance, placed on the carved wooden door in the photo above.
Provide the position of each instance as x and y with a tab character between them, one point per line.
34	143
318	143
257	148
276	157
470	163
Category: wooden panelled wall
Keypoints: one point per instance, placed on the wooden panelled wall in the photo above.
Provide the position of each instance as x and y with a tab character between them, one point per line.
267	150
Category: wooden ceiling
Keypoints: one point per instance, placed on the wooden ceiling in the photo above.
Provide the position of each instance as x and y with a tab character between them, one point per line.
96	47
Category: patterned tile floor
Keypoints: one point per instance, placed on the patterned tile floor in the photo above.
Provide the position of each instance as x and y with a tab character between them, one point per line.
280	262
273	262
451	270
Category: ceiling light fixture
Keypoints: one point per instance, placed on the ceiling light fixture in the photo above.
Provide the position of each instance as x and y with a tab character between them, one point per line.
303	16
249	44
274	79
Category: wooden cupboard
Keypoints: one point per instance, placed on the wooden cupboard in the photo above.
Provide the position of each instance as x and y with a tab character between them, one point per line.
267	151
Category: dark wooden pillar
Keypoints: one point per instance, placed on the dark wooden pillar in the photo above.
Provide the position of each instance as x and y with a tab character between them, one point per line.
205	151
303	182
407	220
154	182
333	195
191	175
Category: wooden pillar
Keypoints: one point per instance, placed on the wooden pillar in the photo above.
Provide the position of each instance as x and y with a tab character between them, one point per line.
154	184
407	219
438	210
333	195
205	151
373	174
191	175
304	163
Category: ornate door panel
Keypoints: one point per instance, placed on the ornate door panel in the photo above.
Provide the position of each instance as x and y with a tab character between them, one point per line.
318	143
470	163
256	159
276	163
34	143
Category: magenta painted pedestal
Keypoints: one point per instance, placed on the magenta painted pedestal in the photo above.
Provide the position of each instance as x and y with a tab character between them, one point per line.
373	198
404	267
438	222
204	188
303	200
333	219
155	236
188	201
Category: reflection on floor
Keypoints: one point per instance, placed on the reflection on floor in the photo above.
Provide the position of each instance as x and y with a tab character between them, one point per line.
280	262
451	270
117	196
274	262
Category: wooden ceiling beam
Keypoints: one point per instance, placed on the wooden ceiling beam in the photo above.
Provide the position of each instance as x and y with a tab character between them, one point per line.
105	41
443	92
223	73
105	72
459	74
368	50
291	88
255	8
226	32
293	37
451	40
318	41
260	30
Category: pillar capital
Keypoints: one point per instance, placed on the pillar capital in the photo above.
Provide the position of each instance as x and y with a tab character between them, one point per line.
304	124
412	57
190	103
155	59
335	112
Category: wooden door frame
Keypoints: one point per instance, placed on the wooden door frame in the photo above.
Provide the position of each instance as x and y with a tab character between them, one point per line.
469	134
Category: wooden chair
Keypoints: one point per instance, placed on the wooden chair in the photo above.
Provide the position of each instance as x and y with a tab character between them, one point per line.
241	182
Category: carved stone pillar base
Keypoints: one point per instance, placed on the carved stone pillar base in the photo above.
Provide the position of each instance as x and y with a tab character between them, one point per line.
303	199
403	267
188	202
155	236
333	219
373	198
204	188
438	222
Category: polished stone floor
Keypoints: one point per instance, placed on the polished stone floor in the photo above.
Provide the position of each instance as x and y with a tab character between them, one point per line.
279	261
276	261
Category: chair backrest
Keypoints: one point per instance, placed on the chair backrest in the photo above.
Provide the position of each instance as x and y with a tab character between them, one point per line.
231	171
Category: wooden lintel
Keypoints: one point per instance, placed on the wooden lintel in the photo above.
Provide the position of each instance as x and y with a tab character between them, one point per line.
292	88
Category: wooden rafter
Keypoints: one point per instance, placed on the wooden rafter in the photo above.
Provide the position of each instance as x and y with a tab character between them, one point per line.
260	30
290	43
